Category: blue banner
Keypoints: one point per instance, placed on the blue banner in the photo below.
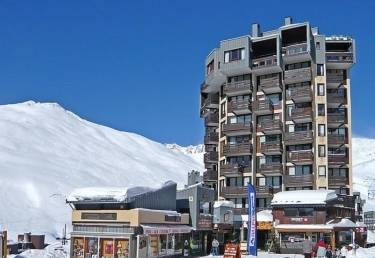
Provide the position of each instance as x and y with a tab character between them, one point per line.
252	221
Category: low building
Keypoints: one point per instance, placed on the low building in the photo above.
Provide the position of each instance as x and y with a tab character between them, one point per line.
198	200
127	222
315	214
369	219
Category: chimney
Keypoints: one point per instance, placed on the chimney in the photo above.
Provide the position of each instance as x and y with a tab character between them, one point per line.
255	30
288	20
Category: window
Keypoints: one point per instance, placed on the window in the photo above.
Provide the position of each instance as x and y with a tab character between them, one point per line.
322	130
303	212
292	171
234	55
274	181
297	66
210	67
320	89
298	212
321	110
322	171
320	69
322	150
223	112
291	212
317	45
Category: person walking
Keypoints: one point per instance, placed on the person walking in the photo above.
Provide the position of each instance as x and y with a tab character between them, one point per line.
215	247
321	249
307	247
329	253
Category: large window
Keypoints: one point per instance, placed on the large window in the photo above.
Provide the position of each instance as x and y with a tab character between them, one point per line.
341	172
234	55
298	212
297	66
322	150
243	119
321	110
274	181
300	170
241	160
321	90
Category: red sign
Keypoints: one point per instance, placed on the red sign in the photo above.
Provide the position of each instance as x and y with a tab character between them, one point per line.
232	251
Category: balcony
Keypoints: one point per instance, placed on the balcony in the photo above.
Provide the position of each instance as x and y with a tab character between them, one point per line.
230	169
300	137
339	60
300	115
338	181
337	139
335	79
338	160
209	175
236	129
227	191
273	147
271	168
266	65
263	106
238	88
298	181
336	119
299	94
296	53
300	157
211	157
230	149
270	126
239	107
270	84
297	75
264	191
212	119
211	138
336	99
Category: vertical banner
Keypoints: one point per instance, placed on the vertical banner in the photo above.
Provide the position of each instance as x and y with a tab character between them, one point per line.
252	221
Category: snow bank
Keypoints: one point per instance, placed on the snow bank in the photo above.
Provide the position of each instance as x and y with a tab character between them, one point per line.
303	197
218	204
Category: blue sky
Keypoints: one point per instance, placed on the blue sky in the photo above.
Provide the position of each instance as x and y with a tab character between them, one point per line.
137	65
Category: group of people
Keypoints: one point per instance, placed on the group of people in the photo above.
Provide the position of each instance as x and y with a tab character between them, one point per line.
322	250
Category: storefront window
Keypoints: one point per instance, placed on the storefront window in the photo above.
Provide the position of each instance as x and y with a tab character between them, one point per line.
107	248
154	246
78	247
91	250
121	248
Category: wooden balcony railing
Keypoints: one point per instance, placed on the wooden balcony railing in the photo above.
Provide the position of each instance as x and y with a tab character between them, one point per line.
212	118
270	82
336	98
211	137
233	190
336	118
271	147
234	168
263	105
298	93
240	211
300	113
237	148
271	168
339	57
211	157
239	105
210	175
228	128
300	156
295	49
270	125
337	139
264	62
297	75
303	180
338	159
298	137
338	180
336	78
235	87
264	190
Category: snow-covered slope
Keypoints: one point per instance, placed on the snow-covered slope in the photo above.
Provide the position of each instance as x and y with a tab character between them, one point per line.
46	152
364	169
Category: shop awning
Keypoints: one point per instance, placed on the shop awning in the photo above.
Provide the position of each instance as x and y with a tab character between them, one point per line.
160	229
304	228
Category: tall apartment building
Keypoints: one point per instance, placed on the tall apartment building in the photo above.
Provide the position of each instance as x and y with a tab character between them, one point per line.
277	113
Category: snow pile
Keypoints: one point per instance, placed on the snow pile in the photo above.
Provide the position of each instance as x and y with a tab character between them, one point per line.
265	215
303	197
221	203
46	152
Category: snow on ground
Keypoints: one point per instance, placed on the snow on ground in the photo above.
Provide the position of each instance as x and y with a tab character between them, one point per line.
54	250
47	151
267	255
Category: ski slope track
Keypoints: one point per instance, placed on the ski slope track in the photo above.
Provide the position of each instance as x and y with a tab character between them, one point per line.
47	151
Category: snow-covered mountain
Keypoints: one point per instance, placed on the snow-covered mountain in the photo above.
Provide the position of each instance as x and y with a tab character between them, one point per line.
47	151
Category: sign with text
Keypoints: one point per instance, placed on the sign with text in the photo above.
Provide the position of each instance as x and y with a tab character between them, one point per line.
252	226
232	251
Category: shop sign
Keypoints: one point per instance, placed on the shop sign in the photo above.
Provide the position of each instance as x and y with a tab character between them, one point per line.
232	251
361	230
205	221
264	225
298	219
